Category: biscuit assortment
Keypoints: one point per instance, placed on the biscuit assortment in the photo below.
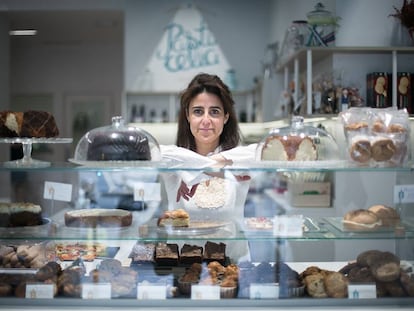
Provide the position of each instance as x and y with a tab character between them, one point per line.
376	137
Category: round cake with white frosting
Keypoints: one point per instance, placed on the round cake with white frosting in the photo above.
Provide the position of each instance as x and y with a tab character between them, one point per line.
20	214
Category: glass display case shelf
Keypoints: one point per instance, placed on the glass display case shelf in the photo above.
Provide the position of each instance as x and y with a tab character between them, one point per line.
172	166
313	229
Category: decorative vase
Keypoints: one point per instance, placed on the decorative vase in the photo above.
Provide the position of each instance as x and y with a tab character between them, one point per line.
402	36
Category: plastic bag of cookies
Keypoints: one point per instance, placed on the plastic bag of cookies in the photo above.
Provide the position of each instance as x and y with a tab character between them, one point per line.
377	136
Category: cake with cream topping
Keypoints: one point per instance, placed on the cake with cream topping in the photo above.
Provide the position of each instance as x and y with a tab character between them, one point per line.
98	217
20	214
289	148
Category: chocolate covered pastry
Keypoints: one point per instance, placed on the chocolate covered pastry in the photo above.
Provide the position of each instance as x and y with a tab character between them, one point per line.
31	124
119	146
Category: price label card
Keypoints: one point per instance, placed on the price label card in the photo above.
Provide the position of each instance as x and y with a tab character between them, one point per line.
264	291
151	291
36	291
199	292
147	191
288	225
362	291
96	291
57	191
403	194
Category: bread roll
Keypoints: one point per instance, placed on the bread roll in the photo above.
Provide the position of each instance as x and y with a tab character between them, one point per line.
387	215
361	219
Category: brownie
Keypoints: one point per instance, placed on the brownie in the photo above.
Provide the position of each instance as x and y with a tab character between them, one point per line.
166	254
215	252
191	254
143	253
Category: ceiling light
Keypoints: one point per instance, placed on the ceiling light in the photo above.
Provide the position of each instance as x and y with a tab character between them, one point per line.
23	32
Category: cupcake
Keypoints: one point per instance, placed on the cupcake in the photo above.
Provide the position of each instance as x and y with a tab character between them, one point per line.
228	288
191	276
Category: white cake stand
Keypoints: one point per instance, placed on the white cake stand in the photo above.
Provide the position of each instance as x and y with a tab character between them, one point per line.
27	160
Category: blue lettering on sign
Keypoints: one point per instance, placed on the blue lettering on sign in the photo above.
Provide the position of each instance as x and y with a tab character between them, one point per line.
184	50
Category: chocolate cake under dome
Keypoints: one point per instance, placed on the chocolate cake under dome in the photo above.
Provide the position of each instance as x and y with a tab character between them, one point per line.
117	142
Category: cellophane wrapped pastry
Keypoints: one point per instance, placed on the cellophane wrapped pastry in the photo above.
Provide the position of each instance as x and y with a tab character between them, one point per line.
377	136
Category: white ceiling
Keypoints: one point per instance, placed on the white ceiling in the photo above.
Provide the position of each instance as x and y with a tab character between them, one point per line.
68	27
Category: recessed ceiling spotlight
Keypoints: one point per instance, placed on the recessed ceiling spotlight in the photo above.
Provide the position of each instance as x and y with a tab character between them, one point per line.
23	32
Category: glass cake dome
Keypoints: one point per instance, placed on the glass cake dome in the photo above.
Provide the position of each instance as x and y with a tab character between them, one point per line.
117	143
297	142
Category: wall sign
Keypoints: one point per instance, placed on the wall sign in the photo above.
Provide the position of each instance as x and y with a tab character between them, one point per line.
186	48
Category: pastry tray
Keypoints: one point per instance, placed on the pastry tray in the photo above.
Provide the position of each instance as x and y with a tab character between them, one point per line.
27	230
196	227
119	164
309	226
18	271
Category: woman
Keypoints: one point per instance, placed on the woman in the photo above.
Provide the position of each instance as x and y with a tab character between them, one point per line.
208	133
207	120
208	126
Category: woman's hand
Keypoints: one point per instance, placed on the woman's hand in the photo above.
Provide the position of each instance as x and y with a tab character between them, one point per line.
184	192
220	159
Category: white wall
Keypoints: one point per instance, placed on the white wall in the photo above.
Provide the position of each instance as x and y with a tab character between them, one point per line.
366	22
240	27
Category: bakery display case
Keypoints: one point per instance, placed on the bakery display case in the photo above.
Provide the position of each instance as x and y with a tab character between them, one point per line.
118	225
275	255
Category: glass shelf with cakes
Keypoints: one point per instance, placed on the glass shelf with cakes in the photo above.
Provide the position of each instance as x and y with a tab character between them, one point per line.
122	230
160	232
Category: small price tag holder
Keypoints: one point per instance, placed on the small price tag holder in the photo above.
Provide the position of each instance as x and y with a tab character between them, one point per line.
57	191
264	291
151	291
205	292
362	291
147	191
96	291
40	291
288	225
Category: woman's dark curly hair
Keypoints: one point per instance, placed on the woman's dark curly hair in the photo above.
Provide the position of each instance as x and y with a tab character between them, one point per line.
203	82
